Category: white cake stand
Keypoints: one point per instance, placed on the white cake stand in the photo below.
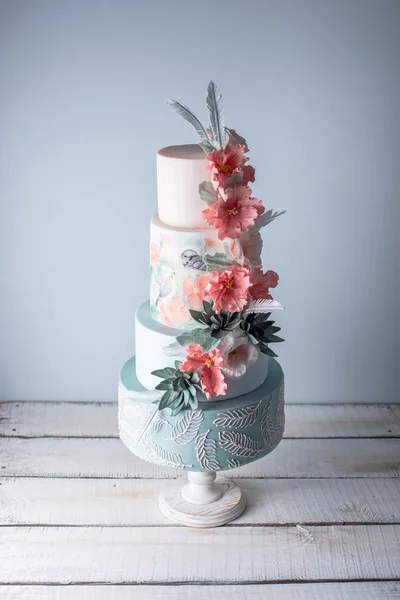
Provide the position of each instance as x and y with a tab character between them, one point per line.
202	501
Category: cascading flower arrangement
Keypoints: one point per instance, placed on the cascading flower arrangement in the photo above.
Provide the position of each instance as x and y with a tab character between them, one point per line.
235	323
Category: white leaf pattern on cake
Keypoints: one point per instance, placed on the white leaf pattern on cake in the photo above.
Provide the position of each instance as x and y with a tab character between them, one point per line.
242	417
206	452
159	456
187	428
268	429
280	408
157	425
238	444
233	463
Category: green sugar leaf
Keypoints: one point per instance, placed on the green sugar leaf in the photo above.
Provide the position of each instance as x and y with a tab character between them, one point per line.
207	192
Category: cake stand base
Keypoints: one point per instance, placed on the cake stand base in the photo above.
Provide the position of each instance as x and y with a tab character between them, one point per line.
202	502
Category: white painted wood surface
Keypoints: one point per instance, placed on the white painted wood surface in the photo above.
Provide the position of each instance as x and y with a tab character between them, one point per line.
78	508
79	457
365	590
37	501
62	419
182	555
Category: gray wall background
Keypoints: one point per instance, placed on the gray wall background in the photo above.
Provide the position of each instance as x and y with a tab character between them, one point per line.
312	84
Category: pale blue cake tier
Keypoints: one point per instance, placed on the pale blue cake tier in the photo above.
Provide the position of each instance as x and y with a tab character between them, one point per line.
215	437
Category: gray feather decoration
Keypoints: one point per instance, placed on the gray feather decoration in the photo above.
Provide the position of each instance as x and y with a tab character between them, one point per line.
266	219
187	114
216	113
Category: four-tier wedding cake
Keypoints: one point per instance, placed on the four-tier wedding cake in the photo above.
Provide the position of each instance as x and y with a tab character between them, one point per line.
203	392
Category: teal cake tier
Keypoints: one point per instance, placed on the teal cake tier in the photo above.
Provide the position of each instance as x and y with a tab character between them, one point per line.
217	436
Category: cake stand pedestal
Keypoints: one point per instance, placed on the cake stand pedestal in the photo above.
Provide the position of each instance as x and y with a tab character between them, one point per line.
214	437
202	501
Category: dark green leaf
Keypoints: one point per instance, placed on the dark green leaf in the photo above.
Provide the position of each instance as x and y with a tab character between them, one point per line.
273	339
164	385
177	410
208	307
167	399
265	350
192	390
198	316
193	402
164	373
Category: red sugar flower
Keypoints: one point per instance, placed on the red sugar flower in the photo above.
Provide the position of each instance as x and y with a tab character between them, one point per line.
229	289
210	365
261	284
234	214
225	163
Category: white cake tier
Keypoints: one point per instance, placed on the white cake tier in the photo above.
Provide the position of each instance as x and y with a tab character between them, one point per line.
152	338
180	264
180	170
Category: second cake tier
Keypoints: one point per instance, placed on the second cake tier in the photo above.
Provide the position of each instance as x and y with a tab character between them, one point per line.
181	261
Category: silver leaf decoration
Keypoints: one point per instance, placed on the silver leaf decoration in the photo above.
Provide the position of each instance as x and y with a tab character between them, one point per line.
238	444
216	114
187	428
207	192
159	456
266	219
217	262
242	417
186	113
234	179
206	452
233	463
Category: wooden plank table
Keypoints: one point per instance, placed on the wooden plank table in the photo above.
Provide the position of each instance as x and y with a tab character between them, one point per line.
79	517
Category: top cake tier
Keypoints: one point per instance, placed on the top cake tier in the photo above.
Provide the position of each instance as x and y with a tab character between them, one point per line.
180	170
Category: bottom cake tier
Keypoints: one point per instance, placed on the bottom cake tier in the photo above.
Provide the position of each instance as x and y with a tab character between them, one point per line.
215	437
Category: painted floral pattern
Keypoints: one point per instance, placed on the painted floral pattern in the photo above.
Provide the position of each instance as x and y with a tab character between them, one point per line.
194	290
179	277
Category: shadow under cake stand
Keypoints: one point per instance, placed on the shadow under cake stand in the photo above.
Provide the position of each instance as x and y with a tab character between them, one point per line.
217	436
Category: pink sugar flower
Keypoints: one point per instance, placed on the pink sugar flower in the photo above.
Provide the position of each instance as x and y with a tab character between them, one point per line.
224	163
229	289
173	311
194	290
154	255
234	214
261	284
210	365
